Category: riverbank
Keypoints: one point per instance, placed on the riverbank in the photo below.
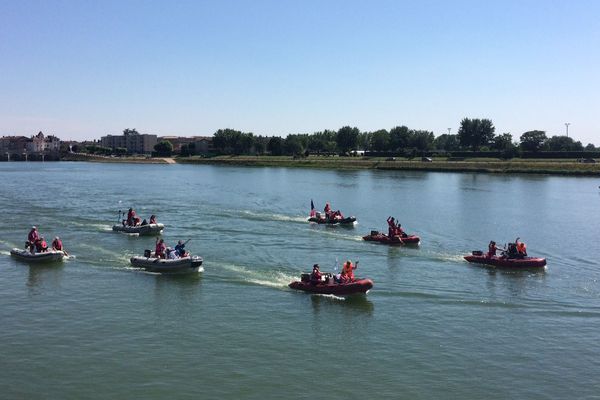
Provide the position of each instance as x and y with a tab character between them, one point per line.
107	159
553	166
485	165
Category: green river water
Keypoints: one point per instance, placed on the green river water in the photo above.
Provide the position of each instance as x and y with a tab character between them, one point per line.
433	326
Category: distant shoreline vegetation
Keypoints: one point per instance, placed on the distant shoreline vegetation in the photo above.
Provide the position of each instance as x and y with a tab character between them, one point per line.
475	135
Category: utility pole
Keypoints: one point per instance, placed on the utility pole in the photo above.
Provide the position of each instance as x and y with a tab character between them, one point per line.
449	129
567	125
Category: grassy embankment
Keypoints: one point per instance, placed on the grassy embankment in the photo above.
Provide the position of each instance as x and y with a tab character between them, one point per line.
550	166
489	165
106	159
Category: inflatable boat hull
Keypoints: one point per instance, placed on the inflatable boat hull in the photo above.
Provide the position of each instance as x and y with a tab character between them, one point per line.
515	263
384	239
161	265
46	257
359	286
149	229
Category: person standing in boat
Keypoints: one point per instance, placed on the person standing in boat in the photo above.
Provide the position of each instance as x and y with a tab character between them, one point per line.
327	210
391	227
32	238
161	247
347	275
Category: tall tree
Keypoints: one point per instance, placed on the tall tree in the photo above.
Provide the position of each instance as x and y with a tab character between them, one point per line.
380	140
347	138
476	132
562	143
275	146
399	138
421	140
533	140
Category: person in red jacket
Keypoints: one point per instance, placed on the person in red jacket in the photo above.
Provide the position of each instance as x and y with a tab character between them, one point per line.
348	272
315	276
161	247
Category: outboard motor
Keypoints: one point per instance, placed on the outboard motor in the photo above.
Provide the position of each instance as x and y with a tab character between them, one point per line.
305	277
147	253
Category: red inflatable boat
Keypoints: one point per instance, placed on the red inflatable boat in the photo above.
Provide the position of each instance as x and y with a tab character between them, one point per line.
385	239
330	287
479	257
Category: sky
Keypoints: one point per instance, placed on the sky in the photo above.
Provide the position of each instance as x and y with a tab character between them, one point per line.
82	69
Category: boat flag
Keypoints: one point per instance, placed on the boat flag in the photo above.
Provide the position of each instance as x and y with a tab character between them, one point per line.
312	208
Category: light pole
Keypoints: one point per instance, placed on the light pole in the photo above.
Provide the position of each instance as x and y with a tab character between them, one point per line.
567	125
449	129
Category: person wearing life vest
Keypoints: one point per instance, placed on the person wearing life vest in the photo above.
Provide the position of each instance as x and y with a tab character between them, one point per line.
152	219
159	250
327	209
521	248
391	227
57	244
348	272
41	246
130	215
315	276
32	237
492	248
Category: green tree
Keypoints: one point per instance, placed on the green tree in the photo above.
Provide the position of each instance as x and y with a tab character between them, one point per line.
589	147
562	143
275	146
380	140
399	138
532	140
128	131
446	142
260	144
163	148
421	140
293	145
225	141
363	141
502	142
476	132
347	138
322	142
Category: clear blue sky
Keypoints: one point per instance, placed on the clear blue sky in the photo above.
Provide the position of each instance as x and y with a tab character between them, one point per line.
82	69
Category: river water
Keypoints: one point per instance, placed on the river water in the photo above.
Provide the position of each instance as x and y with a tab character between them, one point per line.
432	327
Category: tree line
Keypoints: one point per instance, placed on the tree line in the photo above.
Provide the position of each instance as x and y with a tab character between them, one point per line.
474	135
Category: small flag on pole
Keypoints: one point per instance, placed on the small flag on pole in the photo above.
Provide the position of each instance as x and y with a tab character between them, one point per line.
312	208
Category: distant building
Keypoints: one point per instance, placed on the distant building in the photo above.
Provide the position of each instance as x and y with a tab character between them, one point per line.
38	147
135	143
